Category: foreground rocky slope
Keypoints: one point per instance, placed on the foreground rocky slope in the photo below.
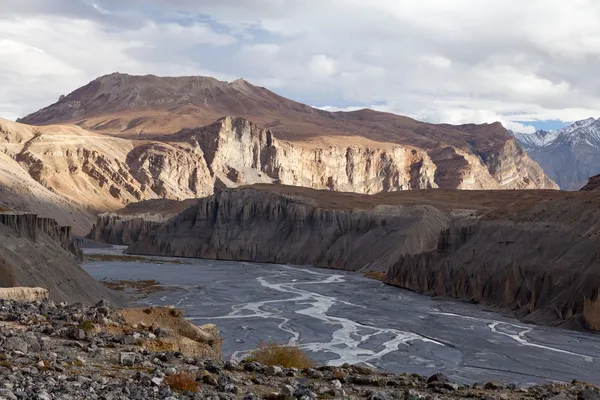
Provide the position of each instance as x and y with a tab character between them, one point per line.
37	252
66	352
531	252
364	151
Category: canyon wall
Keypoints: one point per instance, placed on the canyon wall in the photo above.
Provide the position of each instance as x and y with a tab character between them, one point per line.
124	229
37	252
270	227
537	256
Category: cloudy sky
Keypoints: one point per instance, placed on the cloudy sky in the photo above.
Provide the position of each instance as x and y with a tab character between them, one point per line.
524	63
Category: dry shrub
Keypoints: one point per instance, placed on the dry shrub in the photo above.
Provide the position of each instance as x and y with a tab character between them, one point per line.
182	382
281	355
380	276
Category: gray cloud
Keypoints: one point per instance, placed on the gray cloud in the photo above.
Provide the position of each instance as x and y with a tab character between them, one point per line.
459	61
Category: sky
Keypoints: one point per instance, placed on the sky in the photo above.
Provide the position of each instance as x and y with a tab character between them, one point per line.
528	64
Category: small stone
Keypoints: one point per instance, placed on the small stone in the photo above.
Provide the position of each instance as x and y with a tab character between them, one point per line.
157	381
16	344
336	384
438	378
493	385
209	379
379	396
249	396
273	370
305	393
287	391
127	359
231	388
212	367
170	371
44	396
231	365
80	360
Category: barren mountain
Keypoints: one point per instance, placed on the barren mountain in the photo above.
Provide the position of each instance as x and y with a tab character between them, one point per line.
467	157
570	155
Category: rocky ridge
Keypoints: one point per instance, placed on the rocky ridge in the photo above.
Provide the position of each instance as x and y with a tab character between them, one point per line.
468	247
59	351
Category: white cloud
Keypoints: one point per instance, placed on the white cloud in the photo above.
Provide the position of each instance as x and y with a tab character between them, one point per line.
323	66
454	61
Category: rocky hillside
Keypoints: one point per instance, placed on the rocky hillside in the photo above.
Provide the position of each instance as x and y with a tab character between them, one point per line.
70	174
569	155
593	184
37	252
401	152
482	246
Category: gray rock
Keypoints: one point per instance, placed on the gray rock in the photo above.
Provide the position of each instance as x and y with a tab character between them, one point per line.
127	359
15	344
379	396
273	370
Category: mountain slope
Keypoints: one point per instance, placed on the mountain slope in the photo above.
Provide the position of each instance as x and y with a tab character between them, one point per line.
466	157
569	156
593	184
69	174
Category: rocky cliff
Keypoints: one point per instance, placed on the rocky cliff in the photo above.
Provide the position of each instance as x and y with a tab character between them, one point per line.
36	252
238	152
117	229
535	253
271	227
130	224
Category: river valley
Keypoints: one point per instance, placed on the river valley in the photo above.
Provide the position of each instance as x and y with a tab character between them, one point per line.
340	317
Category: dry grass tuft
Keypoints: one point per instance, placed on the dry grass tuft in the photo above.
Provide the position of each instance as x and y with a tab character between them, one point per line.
182	383
380	276
144	286
281	355
86	325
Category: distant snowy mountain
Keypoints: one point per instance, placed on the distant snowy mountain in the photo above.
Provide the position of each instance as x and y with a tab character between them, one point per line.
570	155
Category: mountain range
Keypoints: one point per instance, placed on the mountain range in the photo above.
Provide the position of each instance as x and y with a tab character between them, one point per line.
570	155
123	138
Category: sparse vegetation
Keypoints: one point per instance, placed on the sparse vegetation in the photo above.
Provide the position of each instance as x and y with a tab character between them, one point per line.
3	209
182	383
283	355
144	286
86	325
6	364
126	258
380	276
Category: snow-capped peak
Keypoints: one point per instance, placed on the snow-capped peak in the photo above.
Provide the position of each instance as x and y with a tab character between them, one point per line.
537	139
586	131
